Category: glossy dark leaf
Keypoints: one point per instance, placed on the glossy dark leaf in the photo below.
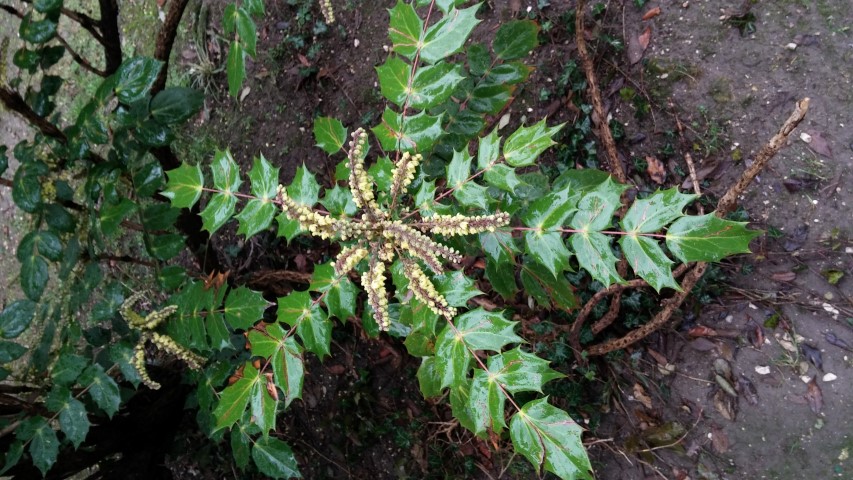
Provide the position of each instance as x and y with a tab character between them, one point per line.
135	78
516	39
176	105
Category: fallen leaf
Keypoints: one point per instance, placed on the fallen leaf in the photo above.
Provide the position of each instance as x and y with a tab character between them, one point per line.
303	60
755	334
814	396
833	276
702	331
645	38
820	144
747	389
813	355
641	396
833	339
726	405
710	169
658	357
719	440
796	183
702	345
637	45
654	12
796	239
656	170
666	434
783	276
336	369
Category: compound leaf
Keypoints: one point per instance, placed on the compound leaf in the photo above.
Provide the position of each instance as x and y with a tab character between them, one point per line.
184	185
707	238
330	134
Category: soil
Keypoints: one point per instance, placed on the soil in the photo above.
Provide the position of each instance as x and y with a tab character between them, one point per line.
713	92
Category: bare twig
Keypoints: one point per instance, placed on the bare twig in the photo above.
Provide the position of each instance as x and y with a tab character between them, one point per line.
166	39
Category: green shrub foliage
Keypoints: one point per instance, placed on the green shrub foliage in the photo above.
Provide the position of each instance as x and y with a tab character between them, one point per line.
395	216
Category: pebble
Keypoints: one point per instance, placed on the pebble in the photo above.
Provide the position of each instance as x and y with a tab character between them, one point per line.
829	377
805	137
791	46
762	370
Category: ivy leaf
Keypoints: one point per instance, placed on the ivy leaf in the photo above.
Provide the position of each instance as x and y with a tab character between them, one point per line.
184	185
235	398
412	133
649	262
73	418
330	134
235	66
304	189
448	35
46	6
341	293
527	143
176	105
595	256
274	458
456	288
102	388
707	238
596	208
135	78
26	186
434	84
244	307
500	251
405	28
516	39
299	311
548	249
544	434
394	79
258	213
44	446
649	215
285	357
483	330
545	287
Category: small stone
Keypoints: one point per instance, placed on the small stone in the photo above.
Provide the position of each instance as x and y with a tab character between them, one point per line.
806	379
830	377
805	137
762	369
791	46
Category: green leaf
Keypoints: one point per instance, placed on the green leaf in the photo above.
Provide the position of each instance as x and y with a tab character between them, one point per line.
649	262
73	418
544	434
34	276
184	185
509	73
304	189
67	368
419	133
59	219
516	39
500	251
519	371
263	406
545	287
405	29
707	238
176	105
226	178
16	450
40	242
235	67
45	6
330	134
479	59
275	459
340	292
4	159
486	404
596	256
285	357
26	187
258	213
489	150
527	143
244	307
434	84
218	210
458	177
394	79
240	448
548	249
420	342
135	78
247	31
452	359
38	31
234	398
552	210
483	330
10	351
255	7
459	405
380	172
338	202
649	215
102	388
44	446
429	379
301	312
448	35
502	177
596	208
112	215
287	227
489	98
456	288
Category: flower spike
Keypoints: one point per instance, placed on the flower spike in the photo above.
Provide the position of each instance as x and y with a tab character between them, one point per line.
373	282
403	174
359	183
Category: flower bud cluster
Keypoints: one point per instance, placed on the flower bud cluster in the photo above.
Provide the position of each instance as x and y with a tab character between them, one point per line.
418	244
328	12
359	183
349	258
404	173
323	226
373	281
459	224
166	343
138	362
425	291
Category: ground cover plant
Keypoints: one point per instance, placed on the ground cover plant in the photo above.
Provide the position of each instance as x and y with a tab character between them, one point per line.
432	184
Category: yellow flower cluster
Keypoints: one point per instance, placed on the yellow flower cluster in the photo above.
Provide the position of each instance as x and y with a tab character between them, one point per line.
349	258
359	183
425	291
418	244
317	224
404	173
166	343
328	12
373	281
139	365
459	224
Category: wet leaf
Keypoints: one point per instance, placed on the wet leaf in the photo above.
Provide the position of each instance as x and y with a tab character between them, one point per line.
652	13
814	395
702	331
665	434
813	355
834	340
656	170
819	144
796	183
726	405
719	440
755	334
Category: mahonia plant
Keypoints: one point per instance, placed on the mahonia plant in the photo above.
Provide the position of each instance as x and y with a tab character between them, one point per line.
402	219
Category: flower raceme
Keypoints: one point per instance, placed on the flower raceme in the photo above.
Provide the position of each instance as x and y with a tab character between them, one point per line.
380	234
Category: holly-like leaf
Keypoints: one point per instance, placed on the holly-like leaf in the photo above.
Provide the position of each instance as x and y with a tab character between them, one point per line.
429	379
67	368
184	185
448	35
44	446
456	288
405	29
489	150
509	73
381	173
516	39
519	371
524	146
707	238
433	84
552	210
263	406
240	447
235	398
489	98
218	210
596	208
486	404
500	251
340	292
458	177
226	178
135	78
258	213
502	177
595	256
414	133
285	356
112	215
73	418
649	215
301	312
452	359
484	330
275	459
420	342
544	434
548	249
394	79
545	287
102	388
649	262
330	134
244	307
304	189
338	202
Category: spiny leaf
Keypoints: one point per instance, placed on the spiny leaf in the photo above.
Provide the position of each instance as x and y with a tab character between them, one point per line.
484	330
500	250
596	208
275	459
456	288
338	202
549	250
44	446
649	215
285	357
707	238
235	398
467	192
648	261
184	185
414	133
102	388
330	134
552	210
449	34
258	212
244	307
544	434
453	359
429	380
263	406
304	189
405	29
340	291
594	255
524	146
394	79
434	84
313	327
486	404
519	371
